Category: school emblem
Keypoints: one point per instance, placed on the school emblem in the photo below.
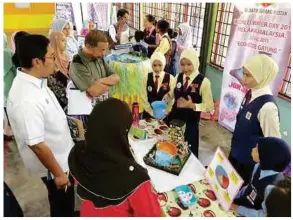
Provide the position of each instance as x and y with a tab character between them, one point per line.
165	86
150	89
193	87
252	196
179	85
248	115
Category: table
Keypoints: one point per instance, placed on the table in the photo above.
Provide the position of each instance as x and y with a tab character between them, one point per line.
205	207
131	70
164	183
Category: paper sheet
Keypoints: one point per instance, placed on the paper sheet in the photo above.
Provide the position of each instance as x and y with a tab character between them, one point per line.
78	102
223	179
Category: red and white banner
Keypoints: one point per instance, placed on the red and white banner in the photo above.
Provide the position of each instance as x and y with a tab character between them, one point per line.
257	28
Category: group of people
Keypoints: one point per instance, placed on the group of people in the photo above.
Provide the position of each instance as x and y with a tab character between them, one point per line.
38	73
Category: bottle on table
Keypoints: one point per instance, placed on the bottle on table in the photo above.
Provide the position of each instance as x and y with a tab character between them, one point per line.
135	114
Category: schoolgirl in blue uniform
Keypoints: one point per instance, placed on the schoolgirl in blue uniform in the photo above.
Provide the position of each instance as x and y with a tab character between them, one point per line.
258	115
272	155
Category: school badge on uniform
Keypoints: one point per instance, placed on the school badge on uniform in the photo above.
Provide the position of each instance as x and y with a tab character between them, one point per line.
252	196
248	115
179	85
165	86
150	89
193	87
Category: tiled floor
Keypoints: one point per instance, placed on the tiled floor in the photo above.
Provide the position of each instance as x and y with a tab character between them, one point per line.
31	192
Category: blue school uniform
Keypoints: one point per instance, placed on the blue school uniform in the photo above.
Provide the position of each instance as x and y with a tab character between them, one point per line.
252	195
249	212
274	156
246	134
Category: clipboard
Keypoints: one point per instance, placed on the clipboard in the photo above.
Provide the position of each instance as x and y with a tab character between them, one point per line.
78	102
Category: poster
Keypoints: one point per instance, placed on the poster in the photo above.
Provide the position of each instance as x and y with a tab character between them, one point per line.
100	14
223	179
64	10
257	28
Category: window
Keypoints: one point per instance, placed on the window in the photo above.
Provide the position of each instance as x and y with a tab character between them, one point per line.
222	33
134	13
176	13
286	85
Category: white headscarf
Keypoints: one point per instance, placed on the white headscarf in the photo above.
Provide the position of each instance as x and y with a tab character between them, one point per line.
71	42
192	56
58	25
263	69
186	38
160	57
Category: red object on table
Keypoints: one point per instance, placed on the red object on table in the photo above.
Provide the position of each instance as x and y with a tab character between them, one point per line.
143	202
135	114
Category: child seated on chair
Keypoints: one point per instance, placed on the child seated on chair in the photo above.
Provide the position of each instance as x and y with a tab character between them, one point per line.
272	156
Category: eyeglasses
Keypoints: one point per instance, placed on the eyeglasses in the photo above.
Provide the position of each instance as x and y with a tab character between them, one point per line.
52	57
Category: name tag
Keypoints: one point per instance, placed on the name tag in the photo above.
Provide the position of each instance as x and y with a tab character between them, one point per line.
252	196
248	115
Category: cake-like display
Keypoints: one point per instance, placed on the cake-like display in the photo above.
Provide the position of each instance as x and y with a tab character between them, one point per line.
168	156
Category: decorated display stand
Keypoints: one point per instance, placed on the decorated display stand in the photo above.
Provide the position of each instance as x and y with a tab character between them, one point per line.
132	68
176	174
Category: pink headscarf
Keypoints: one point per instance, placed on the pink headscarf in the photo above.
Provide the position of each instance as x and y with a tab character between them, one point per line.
62	60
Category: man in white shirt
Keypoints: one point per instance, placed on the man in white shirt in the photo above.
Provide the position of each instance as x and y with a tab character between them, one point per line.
40	125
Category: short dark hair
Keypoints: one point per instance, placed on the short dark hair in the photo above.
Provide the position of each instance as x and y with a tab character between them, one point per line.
94	37
121	12
17	37
138	36
151	19
163	25
30	47
278	202
172	34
